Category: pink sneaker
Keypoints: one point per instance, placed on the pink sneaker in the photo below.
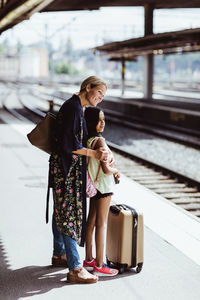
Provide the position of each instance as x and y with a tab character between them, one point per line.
104	270
89	265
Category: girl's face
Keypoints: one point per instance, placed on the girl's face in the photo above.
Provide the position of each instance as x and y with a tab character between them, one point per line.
95	95
101	124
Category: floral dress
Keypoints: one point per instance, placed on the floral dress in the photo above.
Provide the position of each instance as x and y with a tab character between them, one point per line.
68	171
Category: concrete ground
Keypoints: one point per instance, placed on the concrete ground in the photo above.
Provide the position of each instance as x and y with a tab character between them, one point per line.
26	241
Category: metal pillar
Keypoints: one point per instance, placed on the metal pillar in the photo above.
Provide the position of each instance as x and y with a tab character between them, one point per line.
148	19
148	58
148	76
123	76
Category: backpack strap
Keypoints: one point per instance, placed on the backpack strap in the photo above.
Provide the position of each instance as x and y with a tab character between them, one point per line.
92	147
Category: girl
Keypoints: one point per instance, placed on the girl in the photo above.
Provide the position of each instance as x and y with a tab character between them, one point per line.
100	203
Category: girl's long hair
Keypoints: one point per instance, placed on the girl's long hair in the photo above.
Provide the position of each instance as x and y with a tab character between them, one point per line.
92	119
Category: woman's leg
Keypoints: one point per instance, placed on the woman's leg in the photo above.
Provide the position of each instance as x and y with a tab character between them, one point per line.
102	209
90	229
58	243
77	273
59	258
73	257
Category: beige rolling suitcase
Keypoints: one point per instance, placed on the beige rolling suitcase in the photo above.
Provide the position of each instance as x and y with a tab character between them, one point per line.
125	238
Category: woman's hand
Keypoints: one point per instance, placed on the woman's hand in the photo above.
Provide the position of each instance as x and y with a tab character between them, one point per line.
101	154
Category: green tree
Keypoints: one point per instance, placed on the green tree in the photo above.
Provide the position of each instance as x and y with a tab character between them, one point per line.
65	68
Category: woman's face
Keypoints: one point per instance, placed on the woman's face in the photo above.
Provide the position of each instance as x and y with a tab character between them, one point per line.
101	124
95	95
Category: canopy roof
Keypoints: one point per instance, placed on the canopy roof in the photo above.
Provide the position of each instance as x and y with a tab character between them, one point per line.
168	42
96	4
13	12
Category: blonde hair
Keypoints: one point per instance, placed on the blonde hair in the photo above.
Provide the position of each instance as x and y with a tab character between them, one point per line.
93	81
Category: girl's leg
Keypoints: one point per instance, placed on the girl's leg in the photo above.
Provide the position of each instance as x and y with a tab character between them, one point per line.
90	229
103	205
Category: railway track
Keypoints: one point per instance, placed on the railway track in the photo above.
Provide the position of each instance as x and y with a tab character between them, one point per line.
174	187
185	136
180	190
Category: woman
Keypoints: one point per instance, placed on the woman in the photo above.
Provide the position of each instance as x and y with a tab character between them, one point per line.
68	178
99	204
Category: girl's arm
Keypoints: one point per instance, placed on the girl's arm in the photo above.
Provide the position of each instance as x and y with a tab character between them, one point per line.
106	166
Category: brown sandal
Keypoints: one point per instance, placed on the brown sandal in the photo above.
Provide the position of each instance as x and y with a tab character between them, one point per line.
59	261
81	275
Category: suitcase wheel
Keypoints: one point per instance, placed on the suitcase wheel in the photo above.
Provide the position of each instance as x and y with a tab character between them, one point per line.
121	267
121	270
118	266
139	267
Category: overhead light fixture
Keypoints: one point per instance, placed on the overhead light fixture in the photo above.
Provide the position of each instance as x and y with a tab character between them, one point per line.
36	5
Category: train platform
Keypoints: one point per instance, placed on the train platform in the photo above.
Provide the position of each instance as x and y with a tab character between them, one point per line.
171	269
178	112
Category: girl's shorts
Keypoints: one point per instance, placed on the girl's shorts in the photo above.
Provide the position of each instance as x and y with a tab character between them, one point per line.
99	195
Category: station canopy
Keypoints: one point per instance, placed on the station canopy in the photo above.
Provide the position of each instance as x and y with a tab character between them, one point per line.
13	12
161	43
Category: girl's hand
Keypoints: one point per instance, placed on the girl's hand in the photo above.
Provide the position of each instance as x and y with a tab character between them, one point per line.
111	161
117	174
116	177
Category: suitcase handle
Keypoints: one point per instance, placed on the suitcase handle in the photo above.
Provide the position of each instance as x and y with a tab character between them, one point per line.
115	209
